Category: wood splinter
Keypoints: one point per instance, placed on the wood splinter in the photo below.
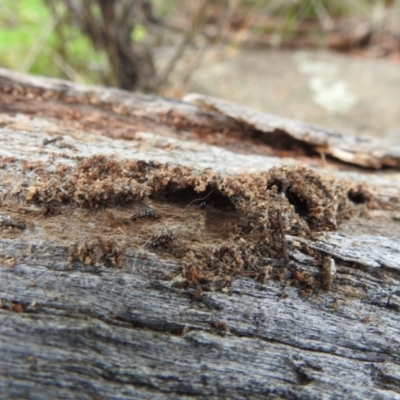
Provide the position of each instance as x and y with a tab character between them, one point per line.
284	243
53	140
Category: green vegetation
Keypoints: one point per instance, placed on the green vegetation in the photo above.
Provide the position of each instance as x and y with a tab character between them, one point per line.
36	39
32	41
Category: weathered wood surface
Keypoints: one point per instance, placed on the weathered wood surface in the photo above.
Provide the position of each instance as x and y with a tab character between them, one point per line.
371	153
71	329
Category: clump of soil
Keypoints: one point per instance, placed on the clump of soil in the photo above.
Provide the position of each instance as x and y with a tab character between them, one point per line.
217	226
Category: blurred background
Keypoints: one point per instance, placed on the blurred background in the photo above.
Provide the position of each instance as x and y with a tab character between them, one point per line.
332	63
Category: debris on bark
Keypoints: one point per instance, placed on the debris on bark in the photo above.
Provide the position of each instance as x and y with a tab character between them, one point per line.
139	235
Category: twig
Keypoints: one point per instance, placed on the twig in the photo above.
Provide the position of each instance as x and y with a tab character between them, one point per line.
48	141
65	67
37	48
284	244
187	41
221	25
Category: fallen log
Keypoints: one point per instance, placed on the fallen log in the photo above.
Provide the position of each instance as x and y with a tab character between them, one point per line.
142	250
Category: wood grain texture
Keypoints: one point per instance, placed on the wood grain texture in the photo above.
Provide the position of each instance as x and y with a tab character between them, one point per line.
371	153
71	329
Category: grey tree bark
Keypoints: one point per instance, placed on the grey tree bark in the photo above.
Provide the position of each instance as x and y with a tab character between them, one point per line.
91	304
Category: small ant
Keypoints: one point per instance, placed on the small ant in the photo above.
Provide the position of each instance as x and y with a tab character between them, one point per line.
154	164
148	212
163	240
203	204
